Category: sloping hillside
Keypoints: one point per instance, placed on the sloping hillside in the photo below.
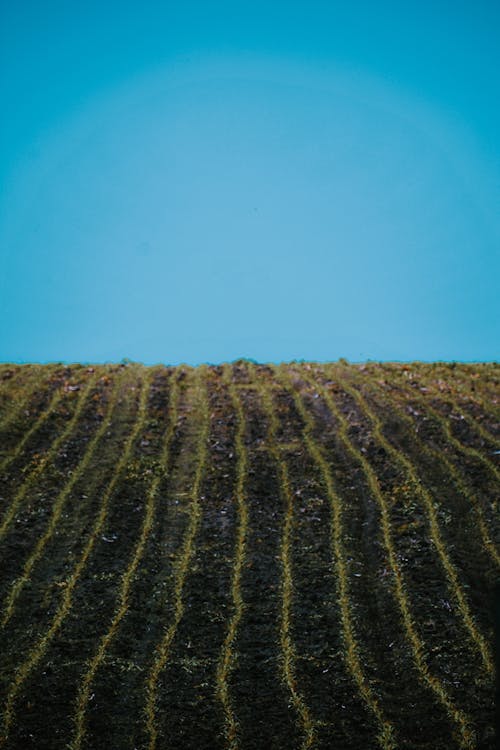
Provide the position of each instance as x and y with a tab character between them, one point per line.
248	557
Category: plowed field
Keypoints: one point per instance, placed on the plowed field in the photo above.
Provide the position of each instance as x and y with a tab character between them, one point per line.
248	557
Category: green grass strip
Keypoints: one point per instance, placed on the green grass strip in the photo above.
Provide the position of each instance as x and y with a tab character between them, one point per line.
474	425
402	460
465	736
445	425
433	390
48	456
127	578
227	658
386	736
454	473
288	651
19	397
162	650
58	508
56	398
39	649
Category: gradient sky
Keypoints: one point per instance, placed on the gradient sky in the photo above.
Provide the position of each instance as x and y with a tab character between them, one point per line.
202	181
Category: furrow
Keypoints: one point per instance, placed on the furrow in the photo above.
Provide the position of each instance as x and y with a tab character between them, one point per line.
163	648
266	715
454	585
227	658
457	444
386	735
56	398
57	509
460	719
288	650
474	425
37	652
456	476
118	686
127	578
49	456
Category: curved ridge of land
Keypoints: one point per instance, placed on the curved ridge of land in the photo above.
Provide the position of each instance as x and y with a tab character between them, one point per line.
244	556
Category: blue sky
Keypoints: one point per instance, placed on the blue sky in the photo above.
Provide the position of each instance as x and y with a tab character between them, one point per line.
202	181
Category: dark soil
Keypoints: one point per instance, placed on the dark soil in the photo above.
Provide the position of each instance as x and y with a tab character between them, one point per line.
45	654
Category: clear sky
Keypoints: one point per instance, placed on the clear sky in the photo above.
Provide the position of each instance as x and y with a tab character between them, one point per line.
202	181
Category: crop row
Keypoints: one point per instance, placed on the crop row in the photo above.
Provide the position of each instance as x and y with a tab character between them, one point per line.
91	450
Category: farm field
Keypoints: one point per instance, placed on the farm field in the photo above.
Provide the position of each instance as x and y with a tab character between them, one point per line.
248	556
